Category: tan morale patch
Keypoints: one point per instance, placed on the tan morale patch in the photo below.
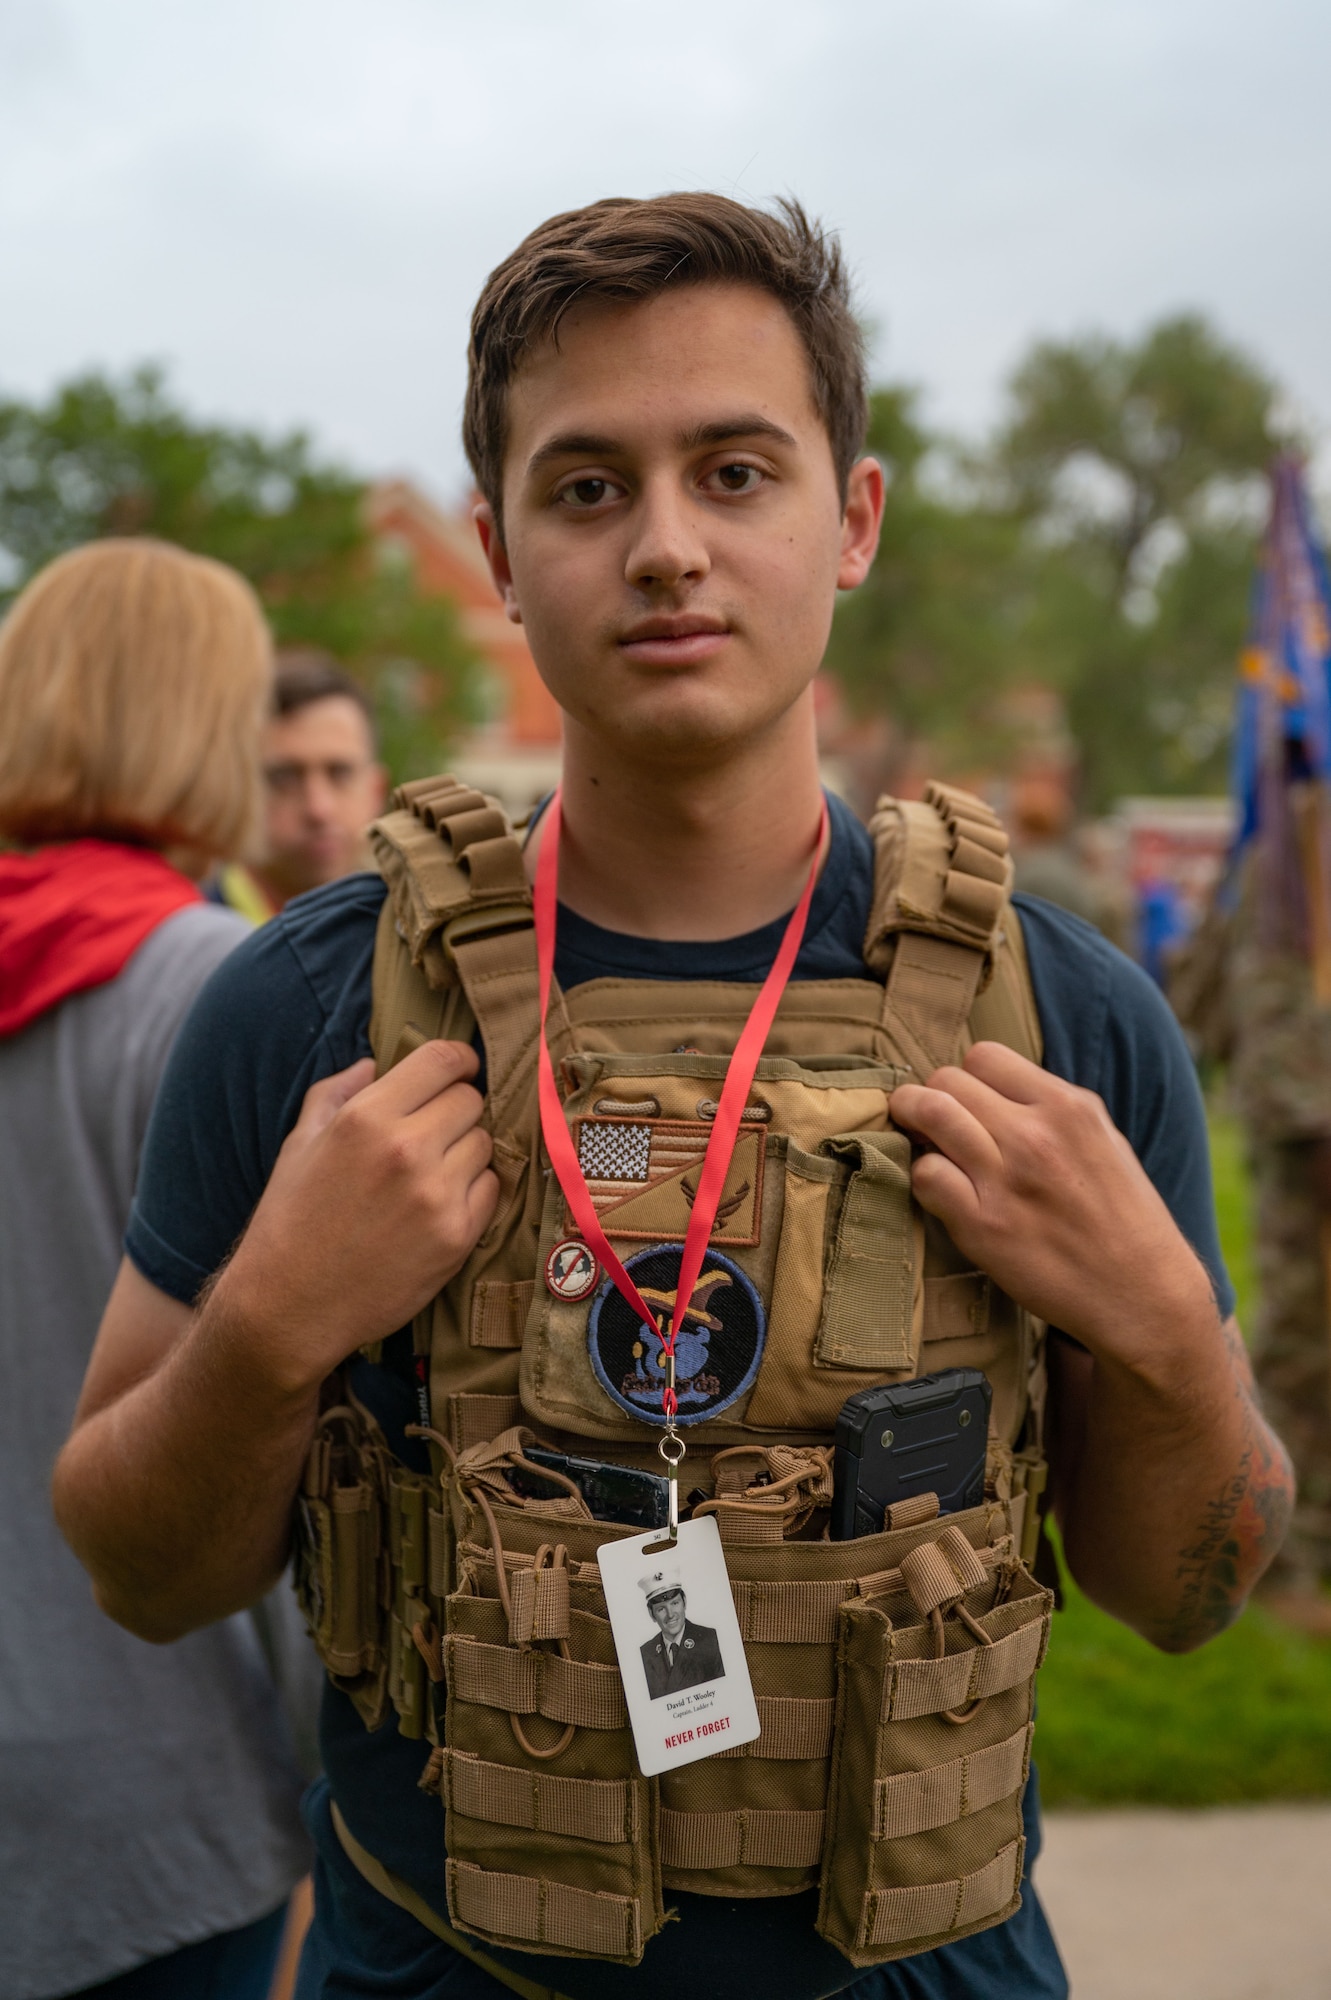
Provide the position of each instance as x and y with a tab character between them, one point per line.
642	1174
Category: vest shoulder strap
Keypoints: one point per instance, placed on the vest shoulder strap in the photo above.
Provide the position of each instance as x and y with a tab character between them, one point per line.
942	933
454	948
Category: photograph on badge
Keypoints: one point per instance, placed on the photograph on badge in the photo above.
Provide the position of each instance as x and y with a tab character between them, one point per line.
677	1640
679	1653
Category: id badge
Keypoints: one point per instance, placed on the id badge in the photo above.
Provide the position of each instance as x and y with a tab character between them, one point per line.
681	1658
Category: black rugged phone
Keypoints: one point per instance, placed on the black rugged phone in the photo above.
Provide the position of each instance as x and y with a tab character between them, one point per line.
926	1436
619	1493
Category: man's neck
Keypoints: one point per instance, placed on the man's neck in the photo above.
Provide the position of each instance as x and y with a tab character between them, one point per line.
706	853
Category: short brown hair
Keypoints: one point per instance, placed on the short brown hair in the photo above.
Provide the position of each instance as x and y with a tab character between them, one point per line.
628	250
304	675
134	679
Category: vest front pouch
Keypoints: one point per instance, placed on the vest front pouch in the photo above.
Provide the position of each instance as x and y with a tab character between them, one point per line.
893	1674
934	1721
342	1566
551	1830
817	1131
848	1295
894	1746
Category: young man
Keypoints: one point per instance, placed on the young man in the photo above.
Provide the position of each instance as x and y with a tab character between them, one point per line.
665	418
323	784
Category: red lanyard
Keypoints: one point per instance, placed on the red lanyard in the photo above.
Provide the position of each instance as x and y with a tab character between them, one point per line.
730	1108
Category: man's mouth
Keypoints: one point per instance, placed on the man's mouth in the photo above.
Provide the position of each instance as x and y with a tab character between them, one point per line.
682	640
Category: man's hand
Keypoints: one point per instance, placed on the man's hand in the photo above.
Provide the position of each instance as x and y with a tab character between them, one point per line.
378	1198
1172	1492
176	1485
1034	1182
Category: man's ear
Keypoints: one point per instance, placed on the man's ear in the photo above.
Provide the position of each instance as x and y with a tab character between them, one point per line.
861	522
483	514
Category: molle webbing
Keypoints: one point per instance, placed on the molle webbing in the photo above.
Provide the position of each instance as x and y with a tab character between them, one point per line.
895	1702
461	905
941	882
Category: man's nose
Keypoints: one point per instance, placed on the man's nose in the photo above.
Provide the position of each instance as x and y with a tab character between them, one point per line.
667	546
319	795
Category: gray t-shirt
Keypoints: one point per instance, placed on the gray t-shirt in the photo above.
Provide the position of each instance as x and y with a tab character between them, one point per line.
148	1795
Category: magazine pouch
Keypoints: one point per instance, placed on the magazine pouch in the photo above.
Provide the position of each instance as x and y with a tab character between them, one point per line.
891	1758
341	1564
551	1830
934	1717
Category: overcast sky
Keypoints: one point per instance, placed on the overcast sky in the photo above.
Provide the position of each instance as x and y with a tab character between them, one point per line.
292	202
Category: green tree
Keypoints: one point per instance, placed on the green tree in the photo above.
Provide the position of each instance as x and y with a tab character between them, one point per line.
106	457
1137	467
942	626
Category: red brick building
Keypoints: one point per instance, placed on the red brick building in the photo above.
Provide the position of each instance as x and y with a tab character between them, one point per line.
516	753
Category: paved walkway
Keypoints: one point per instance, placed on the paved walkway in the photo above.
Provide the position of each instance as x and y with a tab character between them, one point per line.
1230	1904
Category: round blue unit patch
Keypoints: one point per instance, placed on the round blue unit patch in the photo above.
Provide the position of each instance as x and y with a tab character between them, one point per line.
716	1354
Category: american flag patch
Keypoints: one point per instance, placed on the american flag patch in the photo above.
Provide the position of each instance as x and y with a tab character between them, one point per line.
624	1160
613	1151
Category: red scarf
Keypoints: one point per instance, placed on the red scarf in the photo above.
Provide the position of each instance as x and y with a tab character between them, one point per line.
71	916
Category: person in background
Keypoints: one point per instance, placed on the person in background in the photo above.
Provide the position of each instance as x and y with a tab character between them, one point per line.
1246	992
323	782
1045	860
150	1837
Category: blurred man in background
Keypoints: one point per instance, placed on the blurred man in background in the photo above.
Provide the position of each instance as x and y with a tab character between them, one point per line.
323	786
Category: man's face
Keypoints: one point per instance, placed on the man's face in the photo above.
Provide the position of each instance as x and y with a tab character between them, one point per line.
323	788
669	1614
673	533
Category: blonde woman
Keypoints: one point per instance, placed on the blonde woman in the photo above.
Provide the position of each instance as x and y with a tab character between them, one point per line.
149	1836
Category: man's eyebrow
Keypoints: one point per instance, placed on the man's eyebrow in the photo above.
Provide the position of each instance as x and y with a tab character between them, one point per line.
573	444
726	429
722	430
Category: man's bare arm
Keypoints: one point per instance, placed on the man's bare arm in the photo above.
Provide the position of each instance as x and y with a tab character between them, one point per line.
179	1436
1110	1513
176	1485
1172	1492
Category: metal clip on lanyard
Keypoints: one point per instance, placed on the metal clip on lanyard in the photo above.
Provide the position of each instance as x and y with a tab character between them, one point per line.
720	1143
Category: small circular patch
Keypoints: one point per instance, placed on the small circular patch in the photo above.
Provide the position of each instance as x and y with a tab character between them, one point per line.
716	1353
571	1271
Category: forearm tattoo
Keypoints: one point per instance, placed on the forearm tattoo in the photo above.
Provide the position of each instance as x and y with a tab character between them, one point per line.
1240	1531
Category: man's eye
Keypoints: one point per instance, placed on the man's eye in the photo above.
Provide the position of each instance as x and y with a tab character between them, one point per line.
738	478
585	492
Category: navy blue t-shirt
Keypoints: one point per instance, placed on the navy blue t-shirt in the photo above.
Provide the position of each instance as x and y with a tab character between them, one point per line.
292	1005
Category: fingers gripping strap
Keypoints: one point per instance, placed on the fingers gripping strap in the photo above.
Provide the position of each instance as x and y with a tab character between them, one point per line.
916	1801
931	1910
585	1808
544	1913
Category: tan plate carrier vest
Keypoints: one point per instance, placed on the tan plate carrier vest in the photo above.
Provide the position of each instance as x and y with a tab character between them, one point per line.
894	1675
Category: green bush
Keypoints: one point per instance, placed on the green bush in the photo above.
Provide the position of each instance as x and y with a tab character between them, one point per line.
1247	1717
